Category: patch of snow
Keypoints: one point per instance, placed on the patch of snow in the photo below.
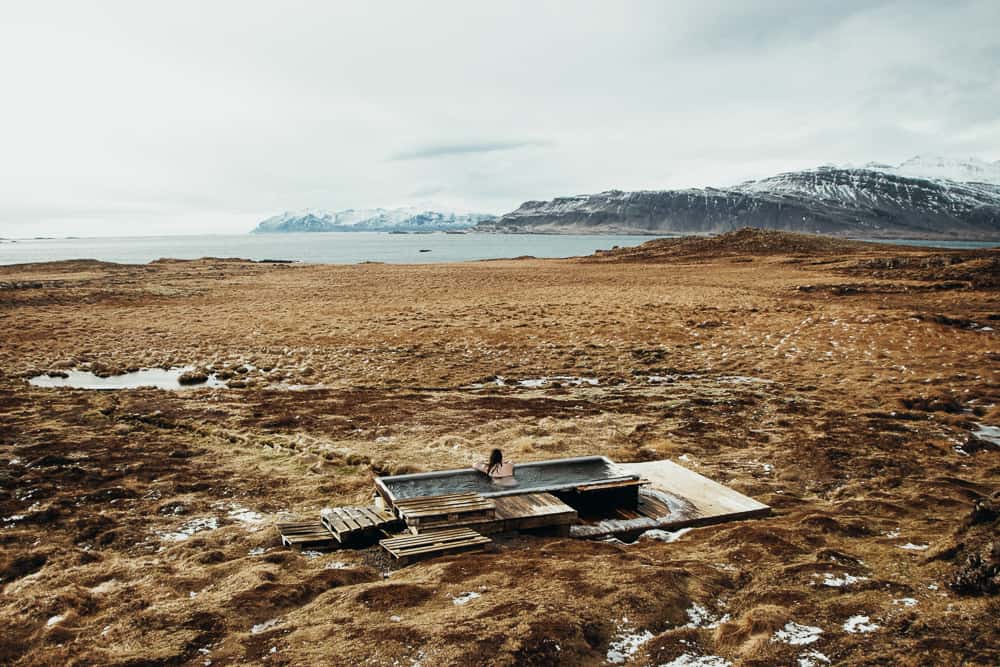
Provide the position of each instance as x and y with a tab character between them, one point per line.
839	582
664	535
53	620
309	553
812	658
988	433
859	624
743	379
266	625
690	660
563	379
191	527
336	565
700	617
257	551
465	598
910	546
105	586
625	645
797	634
13	518
395	619
892	534
906	602
245	516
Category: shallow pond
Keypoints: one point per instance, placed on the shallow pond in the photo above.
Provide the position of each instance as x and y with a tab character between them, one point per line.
158	378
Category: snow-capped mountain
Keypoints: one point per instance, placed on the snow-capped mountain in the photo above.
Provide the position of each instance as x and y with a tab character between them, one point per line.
372	219
874	201
971	170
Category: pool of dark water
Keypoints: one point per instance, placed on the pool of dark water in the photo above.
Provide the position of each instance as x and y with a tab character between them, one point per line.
528	477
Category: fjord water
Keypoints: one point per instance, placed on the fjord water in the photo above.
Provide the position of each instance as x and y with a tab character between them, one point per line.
314	247
336	247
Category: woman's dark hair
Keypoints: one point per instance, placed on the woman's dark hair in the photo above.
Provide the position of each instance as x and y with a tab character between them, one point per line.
496	460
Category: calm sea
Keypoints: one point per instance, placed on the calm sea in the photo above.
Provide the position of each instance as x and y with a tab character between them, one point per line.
333	247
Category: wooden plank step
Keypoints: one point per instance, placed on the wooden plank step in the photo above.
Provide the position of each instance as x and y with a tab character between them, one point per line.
614	484
447	509
446	533
451	502
302	533
442	497
444	505
436	542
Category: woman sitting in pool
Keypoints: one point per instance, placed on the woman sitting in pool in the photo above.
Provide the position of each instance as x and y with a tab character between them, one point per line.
496	467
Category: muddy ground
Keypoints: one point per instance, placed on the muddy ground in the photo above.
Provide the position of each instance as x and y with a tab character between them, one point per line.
842	384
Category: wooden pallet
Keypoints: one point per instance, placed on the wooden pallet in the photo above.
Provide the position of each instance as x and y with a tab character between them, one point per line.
437	511
349	524
408	547
305	534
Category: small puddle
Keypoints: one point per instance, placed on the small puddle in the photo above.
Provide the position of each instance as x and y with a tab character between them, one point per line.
157	378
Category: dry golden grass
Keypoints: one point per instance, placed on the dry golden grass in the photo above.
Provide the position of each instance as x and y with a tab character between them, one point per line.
840	386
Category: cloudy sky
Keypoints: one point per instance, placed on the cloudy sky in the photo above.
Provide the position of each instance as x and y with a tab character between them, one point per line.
137	117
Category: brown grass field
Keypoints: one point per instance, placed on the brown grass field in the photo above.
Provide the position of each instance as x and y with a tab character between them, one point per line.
840	383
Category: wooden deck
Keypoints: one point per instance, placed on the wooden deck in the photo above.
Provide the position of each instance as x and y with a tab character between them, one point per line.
447	510
675	498
353	524
305	534
405	548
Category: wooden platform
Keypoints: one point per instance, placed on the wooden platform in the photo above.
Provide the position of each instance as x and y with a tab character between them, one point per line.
675	498
527	511
446	510
408	547
305	534
351	524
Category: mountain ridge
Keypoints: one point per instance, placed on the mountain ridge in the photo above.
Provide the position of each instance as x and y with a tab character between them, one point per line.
408	218
838	201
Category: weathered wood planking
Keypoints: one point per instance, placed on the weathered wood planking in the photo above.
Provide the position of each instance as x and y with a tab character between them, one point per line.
532	510
708	498
451	509
408	547
351	523
616	484
675	498
305	534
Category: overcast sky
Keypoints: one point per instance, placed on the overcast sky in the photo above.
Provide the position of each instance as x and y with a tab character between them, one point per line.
141	117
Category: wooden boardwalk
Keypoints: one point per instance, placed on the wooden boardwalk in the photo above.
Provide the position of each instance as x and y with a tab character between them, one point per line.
405	548
447	510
